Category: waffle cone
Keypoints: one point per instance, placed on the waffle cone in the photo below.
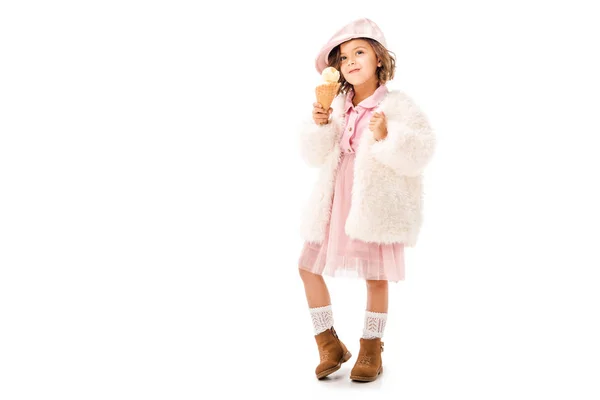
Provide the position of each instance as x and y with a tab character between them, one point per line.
326	93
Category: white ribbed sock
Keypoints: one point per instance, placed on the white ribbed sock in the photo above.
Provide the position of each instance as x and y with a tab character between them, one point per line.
322	318
374	325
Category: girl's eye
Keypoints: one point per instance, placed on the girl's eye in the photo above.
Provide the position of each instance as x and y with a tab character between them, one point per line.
342	58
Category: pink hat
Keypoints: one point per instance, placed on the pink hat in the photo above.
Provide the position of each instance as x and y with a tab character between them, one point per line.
360	28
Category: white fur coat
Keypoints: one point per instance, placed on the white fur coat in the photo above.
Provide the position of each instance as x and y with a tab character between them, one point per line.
387	195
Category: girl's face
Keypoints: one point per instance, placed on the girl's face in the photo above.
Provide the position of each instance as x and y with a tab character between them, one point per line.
358	61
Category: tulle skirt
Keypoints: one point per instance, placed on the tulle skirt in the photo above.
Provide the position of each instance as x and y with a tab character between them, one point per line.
340	255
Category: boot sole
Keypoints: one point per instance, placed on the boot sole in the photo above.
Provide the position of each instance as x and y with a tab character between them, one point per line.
366	378
331	370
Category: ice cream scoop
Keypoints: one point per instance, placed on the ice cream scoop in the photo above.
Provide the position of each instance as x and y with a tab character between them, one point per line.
330	75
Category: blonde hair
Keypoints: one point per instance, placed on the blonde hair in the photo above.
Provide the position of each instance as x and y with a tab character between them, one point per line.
384	73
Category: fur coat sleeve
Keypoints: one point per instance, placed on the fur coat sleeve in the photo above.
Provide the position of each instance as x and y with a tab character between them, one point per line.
316	142
410	142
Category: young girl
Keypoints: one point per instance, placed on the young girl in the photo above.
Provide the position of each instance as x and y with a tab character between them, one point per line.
371	147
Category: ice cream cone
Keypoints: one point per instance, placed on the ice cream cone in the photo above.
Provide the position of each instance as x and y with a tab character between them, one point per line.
326	93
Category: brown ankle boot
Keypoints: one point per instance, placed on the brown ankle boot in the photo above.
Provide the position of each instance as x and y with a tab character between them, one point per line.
368	365
332	353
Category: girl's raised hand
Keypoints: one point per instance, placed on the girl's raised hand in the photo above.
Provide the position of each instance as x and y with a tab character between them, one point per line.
378	125
320	116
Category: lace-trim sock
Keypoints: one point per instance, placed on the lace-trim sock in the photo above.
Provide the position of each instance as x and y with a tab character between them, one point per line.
322	318
374	325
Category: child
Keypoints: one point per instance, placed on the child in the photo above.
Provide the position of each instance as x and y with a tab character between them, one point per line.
366	205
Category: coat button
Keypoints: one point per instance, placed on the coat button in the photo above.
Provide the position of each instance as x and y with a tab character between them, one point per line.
350	129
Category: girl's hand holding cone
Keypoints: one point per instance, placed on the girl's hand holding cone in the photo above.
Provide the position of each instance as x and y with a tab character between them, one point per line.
320	116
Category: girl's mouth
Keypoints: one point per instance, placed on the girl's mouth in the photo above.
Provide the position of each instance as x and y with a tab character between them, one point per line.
354	70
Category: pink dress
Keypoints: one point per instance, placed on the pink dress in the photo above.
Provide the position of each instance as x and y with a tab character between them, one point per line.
340	255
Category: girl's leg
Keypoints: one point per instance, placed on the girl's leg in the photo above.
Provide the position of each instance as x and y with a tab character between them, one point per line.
368	364
377	296
315	288
377	307
332	352
318	300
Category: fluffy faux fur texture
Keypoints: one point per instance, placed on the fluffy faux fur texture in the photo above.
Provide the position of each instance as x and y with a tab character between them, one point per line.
387	195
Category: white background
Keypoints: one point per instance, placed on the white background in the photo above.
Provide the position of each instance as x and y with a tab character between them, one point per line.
151	189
